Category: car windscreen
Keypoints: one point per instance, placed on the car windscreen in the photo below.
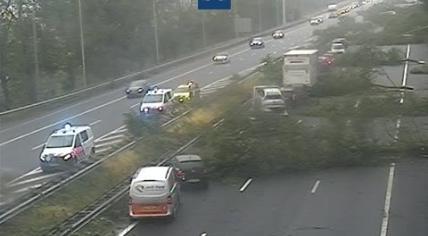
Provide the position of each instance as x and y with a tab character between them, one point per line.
273	96
152	98
188	165
60	141
338	46
181	90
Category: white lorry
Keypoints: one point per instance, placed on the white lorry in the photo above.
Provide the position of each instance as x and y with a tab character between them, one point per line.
332	7
300	68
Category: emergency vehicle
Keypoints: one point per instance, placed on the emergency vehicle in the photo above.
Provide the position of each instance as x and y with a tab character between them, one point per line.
186	92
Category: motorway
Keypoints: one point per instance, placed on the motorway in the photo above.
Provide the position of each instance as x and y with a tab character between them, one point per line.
20	144
340	202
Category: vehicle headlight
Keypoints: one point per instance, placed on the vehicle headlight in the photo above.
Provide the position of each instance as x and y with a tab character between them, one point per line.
67	157
128	91
146	110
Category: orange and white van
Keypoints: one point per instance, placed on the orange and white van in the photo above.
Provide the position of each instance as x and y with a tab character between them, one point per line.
154	192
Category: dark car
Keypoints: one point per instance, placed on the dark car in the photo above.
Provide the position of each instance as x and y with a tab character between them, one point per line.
190	169
257	43
137	88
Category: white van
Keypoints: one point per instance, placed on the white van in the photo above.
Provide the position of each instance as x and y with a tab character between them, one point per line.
66	148
154	192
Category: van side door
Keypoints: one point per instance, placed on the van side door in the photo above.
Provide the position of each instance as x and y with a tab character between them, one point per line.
84	137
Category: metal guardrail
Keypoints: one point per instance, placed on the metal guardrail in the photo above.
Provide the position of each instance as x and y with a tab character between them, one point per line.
223	46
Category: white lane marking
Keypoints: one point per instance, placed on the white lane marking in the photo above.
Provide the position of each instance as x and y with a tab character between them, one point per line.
128	229
27	188
35	171
388	195
61	121
211	72
398	124
315	187
133	106
109	133
299	121
218	123
101	150
204	234
401	100
108	143
113	137
95	122
357	104
244	187
37	147
35	179
406	67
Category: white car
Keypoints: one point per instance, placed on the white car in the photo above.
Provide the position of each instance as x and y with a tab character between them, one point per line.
278	34
221	58
156	101
315	21
66	148
257	43
338	48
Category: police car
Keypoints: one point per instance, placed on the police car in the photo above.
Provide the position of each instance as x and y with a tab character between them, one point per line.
67	147
156	101
221	58
257	43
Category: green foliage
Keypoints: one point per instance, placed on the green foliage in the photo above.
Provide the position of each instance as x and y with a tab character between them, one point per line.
342	81
272	70
369	56
269	143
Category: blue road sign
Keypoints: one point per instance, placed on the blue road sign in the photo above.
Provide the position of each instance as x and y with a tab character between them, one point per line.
214	4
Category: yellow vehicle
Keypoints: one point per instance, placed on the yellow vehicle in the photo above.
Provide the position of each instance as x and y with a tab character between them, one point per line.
186	92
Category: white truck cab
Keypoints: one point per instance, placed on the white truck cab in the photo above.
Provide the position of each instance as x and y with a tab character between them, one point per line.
154	192
67	148
156	100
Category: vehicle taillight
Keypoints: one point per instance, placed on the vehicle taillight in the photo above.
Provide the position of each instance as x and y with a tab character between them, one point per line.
169	200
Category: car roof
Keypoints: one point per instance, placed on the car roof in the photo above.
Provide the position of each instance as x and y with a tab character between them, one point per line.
188	157
271	90
153	173
72	131
158	91
183	86
258	38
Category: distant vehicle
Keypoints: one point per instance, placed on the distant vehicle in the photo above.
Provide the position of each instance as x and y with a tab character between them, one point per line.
279	34
338	48
154	192
268	98
327	60
332	7
157	101
332	15
355	5
137	88
300	68
315	21
257	43
221	58
67	148
186	92
341	41
190	169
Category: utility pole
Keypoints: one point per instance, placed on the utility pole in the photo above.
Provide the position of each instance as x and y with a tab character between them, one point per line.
259	6
284	19
36	57
155	28
82	45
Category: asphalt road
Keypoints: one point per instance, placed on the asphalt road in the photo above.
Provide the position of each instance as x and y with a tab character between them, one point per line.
20	144
346	202
340	202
